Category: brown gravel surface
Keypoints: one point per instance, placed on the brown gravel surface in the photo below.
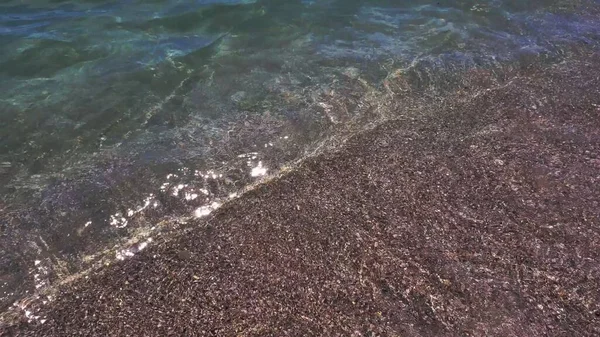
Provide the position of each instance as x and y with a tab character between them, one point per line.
479	219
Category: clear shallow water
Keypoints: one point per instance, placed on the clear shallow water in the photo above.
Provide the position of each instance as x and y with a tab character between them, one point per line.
118	116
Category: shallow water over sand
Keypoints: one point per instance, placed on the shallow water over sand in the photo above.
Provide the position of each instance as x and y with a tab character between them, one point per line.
119	120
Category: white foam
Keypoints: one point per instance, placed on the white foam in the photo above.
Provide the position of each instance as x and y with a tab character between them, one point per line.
258	170
205	210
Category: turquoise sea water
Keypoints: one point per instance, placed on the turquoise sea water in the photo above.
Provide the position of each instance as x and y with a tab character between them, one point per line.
118	117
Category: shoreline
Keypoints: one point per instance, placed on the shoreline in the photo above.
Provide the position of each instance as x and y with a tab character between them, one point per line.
480	218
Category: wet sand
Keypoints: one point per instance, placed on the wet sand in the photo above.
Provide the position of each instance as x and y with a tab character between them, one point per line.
479	218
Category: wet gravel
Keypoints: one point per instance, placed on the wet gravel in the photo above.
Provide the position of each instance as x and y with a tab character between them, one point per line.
479	218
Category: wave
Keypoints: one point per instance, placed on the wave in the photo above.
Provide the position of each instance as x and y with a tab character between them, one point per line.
141	114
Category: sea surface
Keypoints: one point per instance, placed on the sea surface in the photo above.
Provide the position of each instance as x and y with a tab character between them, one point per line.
122	120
